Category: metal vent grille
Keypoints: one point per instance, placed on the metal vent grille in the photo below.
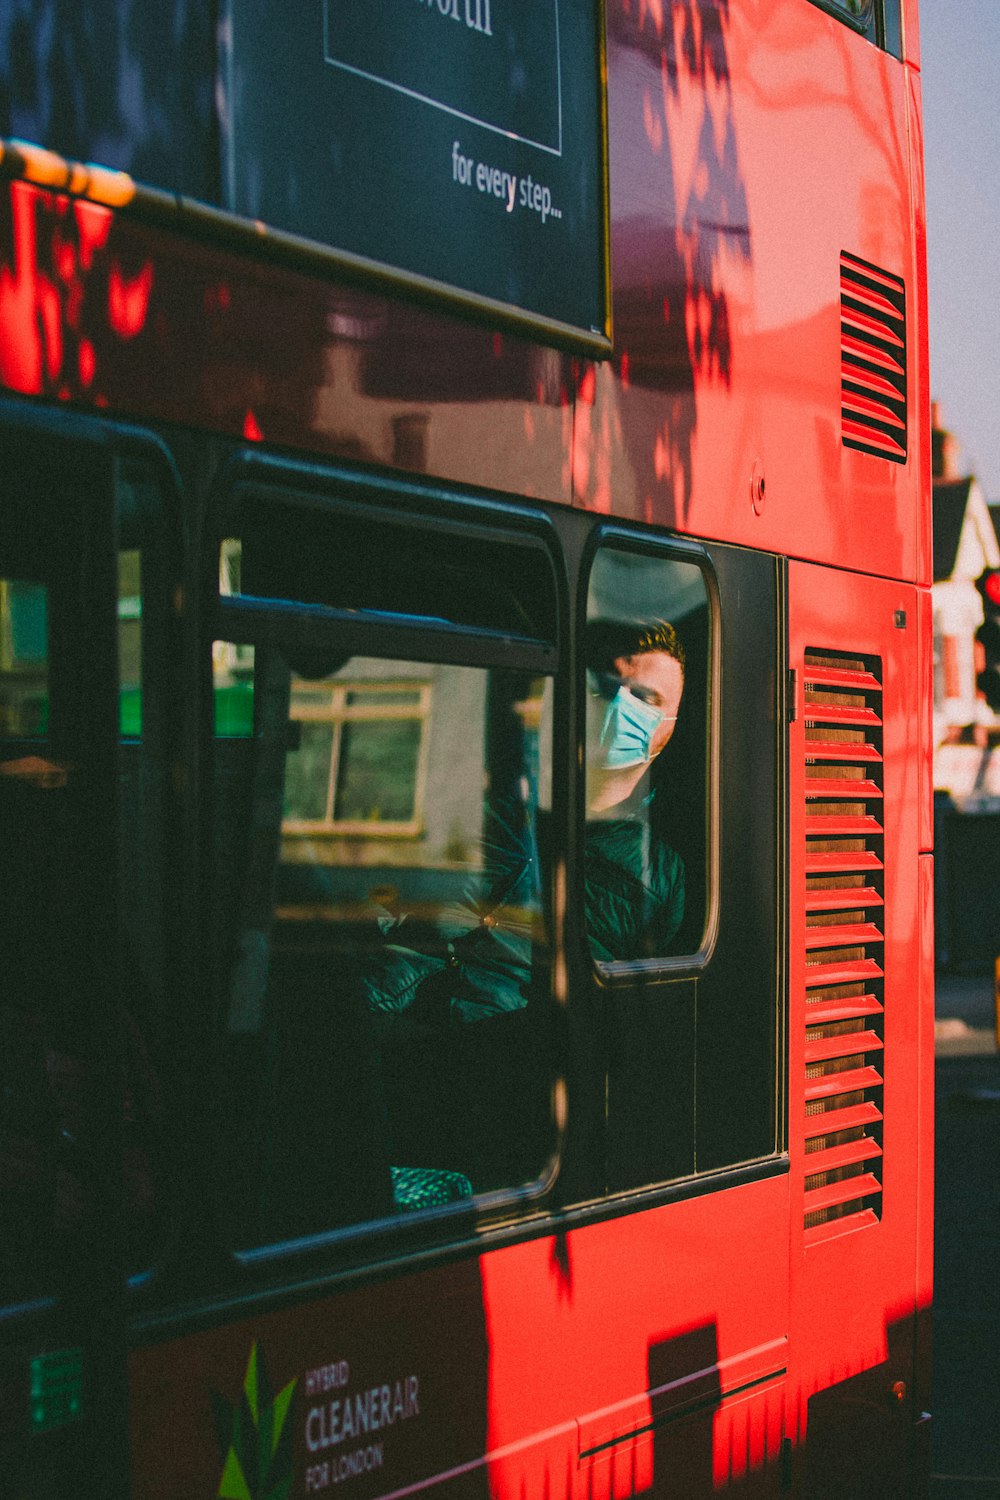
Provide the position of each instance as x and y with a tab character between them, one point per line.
844	939
872	359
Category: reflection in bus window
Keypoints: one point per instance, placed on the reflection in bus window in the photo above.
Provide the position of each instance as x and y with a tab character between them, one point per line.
24	685
130	641
359	763
54	895
646	657
381	901
232	683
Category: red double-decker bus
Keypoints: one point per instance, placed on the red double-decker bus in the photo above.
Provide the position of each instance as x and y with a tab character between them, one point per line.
467	1010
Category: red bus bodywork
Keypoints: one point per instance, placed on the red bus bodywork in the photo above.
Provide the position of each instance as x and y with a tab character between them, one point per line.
713	1342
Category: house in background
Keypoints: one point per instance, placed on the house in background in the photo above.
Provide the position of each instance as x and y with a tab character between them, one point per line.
965	543
966	731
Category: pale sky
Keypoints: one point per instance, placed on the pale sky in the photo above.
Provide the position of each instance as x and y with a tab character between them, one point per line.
960	46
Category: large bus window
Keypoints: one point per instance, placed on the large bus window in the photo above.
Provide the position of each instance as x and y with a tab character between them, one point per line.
146	723
646	651
57	679
381	919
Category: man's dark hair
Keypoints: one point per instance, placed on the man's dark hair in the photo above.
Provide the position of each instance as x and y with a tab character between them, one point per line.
607	640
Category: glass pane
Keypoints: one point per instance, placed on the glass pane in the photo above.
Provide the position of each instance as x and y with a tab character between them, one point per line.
391	566
130	642
82	939
233	674
307	773
378	771
24	686
387	972
645	845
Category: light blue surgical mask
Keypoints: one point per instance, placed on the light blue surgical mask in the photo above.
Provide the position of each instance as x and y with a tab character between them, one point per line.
627	732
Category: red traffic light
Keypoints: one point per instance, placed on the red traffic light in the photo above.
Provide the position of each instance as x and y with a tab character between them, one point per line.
988	584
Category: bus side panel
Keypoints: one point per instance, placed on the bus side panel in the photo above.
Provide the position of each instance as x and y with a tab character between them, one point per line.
555	1366
721	412
854	1277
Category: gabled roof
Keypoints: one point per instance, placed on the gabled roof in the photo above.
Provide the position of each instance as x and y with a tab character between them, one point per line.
951	498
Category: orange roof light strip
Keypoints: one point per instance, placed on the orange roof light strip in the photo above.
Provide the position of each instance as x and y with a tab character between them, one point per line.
83	180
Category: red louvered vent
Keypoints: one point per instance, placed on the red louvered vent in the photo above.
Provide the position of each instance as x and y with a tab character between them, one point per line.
844	941
872	359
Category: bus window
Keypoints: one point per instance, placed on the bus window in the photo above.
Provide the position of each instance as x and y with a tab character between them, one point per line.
23	658
380	907
130	641
146	725
646	654
70	979
856	10
876	20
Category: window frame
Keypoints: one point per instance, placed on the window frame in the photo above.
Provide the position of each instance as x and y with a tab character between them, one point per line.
249	621
627	972
881	24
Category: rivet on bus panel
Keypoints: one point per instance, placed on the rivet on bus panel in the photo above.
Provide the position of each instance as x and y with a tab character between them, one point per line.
757	488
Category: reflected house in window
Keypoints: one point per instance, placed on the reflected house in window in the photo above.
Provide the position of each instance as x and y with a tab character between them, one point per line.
23	658
385	773
360	760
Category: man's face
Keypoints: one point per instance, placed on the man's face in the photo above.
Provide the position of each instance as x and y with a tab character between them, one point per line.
658	679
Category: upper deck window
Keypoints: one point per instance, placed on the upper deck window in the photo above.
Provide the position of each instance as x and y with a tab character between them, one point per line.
856	10
878	20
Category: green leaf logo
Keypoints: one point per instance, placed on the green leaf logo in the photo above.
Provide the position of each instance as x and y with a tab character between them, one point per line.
255	1437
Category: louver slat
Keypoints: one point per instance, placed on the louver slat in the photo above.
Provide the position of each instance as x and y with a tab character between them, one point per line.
870	328
842	935
829	1227
830	786
853	349
850	679
844	939
857	435
844	1044
849	1155
841	714
836	750
842	898
856	971
826	1012
846	861
848	1081
872	359
845	1190
870	272
851	1117
825	826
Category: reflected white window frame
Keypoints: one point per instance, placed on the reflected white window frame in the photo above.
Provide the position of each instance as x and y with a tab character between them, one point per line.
340	712
857	13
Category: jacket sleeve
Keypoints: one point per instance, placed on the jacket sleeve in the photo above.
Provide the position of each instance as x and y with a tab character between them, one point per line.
483	963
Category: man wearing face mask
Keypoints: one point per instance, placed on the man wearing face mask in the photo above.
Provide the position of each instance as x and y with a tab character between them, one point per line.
633	880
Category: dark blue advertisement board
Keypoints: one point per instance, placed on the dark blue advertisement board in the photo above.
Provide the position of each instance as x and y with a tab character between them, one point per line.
457	145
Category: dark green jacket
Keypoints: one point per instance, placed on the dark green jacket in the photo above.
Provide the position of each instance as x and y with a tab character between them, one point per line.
481	963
